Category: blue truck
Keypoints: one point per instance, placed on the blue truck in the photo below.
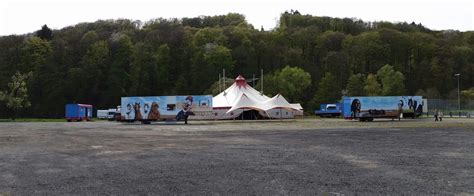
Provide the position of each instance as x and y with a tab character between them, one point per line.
329	110
78	112
368	108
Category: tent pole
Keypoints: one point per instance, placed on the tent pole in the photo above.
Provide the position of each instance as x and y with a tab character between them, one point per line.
280	115
261	82
223	75
253	81
242	115
220	89
269	117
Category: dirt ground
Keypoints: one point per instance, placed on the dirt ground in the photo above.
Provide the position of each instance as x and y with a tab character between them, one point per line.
291	157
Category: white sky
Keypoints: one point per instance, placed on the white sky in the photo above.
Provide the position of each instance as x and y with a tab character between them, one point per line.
24	16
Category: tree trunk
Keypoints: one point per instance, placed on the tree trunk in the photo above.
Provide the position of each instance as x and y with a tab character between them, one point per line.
13	114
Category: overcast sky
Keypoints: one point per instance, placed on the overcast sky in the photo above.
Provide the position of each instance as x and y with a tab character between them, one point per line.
24	16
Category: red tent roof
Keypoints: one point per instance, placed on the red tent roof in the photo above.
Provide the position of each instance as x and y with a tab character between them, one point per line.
240	81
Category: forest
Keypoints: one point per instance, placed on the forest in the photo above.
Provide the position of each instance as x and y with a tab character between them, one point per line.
309	59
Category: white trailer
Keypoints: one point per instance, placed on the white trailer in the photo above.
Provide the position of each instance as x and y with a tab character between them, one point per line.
102	114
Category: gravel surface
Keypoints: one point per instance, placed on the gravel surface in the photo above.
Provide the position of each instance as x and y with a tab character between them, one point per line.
293	157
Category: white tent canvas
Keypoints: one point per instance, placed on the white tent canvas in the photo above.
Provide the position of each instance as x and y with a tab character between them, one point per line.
296	106
244	102
228	97
278	102
299	108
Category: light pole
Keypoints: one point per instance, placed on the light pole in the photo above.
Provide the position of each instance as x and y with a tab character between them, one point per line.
459	97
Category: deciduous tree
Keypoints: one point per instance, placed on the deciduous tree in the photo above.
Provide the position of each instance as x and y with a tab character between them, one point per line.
16	97
355	85
372	87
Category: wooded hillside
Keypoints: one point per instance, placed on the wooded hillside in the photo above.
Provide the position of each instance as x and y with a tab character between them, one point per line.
99	62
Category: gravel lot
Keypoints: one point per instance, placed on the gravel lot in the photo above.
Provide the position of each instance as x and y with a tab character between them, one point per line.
293	157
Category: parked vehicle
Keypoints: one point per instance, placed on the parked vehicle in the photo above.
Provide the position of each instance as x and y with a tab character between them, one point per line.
368	108
111	114
147	109
329	110
78	112
102	114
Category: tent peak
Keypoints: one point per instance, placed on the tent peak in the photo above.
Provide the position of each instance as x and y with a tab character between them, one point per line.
239	77
240	81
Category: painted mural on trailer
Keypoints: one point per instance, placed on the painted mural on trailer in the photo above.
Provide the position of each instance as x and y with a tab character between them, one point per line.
163	107
388	105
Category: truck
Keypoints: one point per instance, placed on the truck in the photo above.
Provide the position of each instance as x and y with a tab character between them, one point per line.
102	114
109	114
156	108
371	107
78	112
329	110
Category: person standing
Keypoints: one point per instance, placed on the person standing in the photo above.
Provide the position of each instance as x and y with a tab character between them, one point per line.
440	115
436	114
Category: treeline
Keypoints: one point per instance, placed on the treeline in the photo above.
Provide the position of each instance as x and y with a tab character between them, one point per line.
100	62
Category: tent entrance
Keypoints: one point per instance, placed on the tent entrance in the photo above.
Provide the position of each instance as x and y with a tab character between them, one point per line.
249	115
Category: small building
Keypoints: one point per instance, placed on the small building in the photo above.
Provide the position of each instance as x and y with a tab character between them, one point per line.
78	112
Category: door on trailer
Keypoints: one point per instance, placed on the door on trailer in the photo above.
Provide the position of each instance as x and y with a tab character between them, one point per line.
86	113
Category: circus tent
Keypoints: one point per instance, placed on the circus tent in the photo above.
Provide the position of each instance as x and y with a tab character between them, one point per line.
241	97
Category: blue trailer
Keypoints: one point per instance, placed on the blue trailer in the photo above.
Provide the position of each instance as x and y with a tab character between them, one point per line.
368	108
329	110
78	112
155	108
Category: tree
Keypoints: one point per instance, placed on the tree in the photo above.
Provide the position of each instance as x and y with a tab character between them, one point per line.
292	82
355	85
94	61
45	33
163	60
468	94
209	35
431	93
98	62
327	89
392	81
118	79
441	76
367	51
372	87
208	63
217	87
34	54
16	98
